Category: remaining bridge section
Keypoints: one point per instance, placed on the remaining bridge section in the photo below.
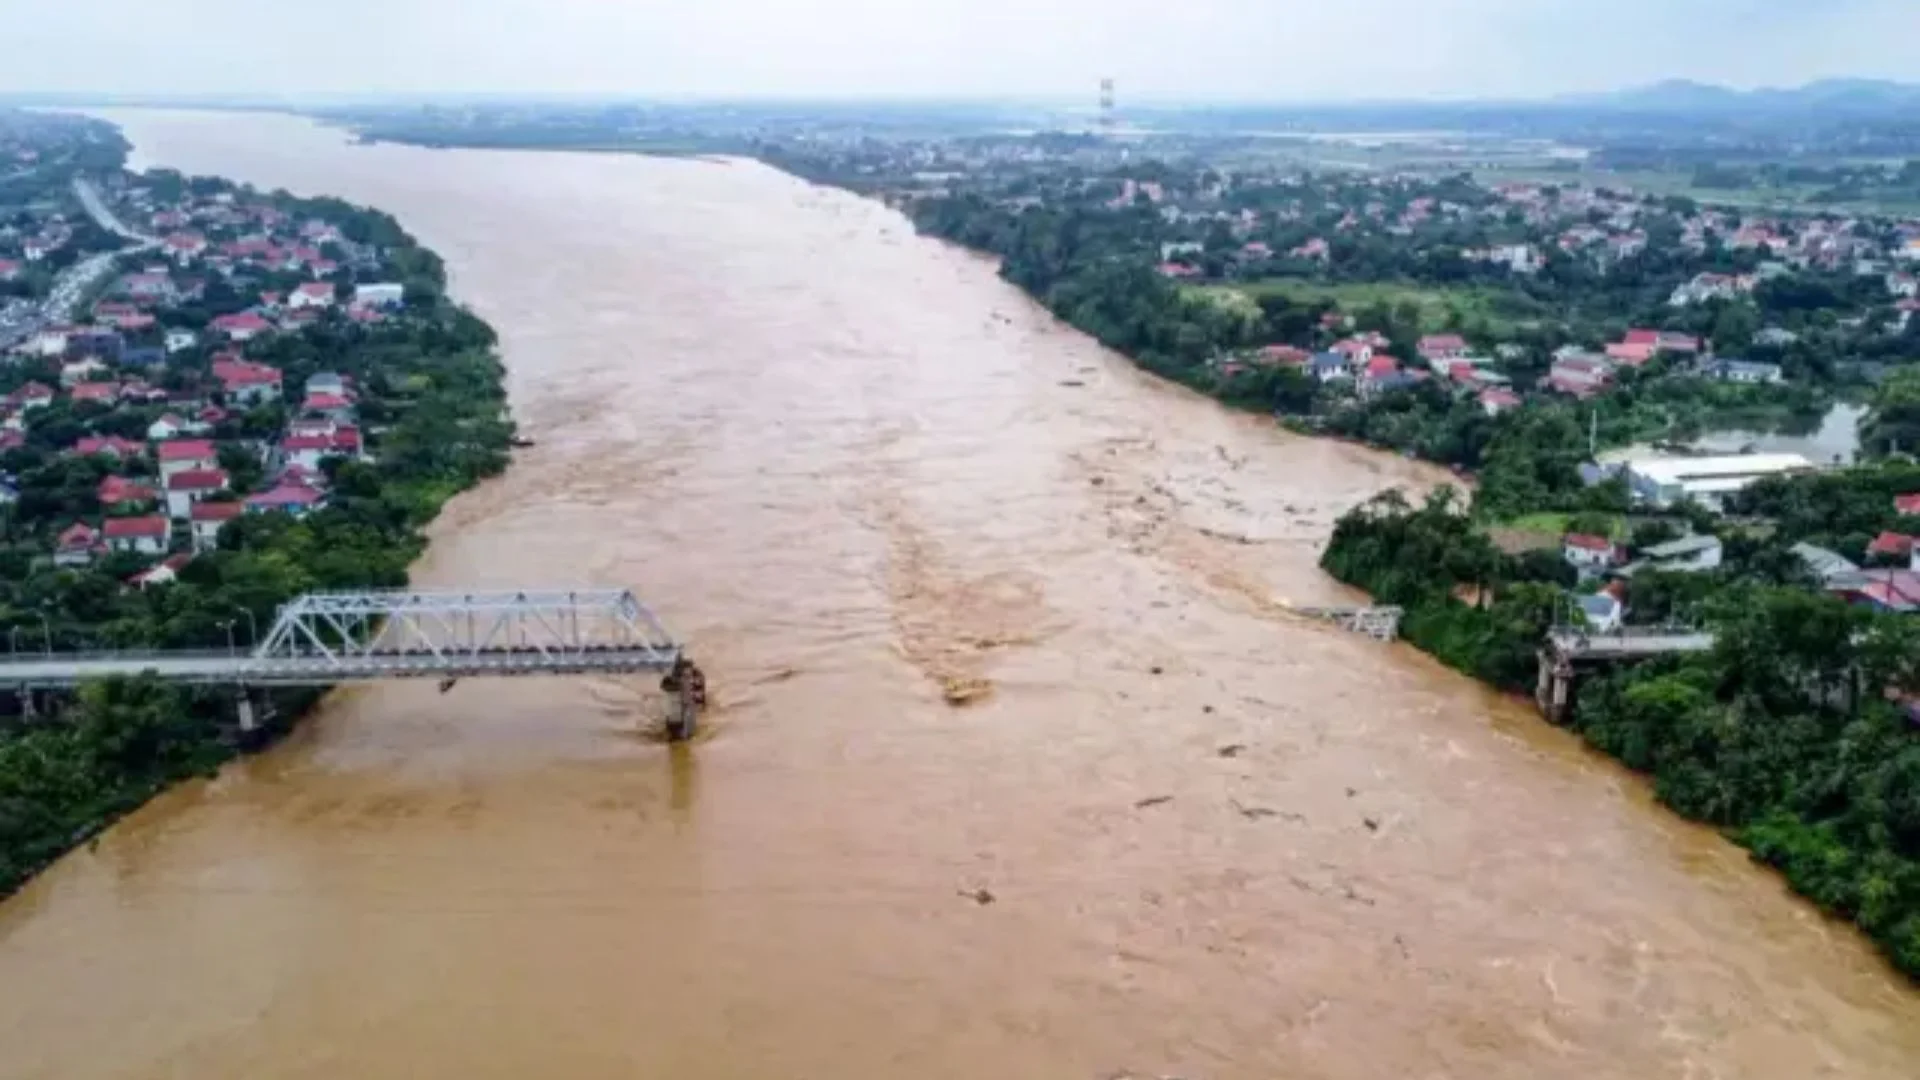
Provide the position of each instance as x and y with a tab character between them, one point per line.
324	638
1570	652
1629	644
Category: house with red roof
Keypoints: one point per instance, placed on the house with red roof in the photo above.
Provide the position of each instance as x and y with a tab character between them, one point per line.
9	269
112	446
1893	545
118	492
1582	376
1495	400
242	326
245	382
1630	354
168	426
190	486
1281	356
100	393
77	546
164	572
1908	505
33	395
339	407
146	535
181	455
207	517
183	247
1436	349
1178	270
1896	591
1590	555
309	447
288	499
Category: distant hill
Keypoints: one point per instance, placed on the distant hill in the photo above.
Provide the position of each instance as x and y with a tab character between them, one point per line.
1853	96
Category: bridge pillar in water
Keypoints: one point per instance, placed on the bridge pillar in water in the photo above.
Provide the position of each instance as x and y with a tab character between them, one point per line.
249	718
1553	691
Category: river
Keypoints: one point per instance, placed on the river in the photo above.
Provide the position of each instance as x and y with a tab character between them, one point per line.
848	463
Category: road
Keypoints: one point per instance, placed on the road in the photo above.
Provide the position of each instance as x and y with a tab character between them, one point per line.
78	280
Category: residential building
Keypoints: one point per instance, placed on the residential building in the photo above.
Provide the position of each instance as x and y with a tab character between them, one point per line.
206	518
77	546
1751	372
190	486
1590	555
1893	545
144	535
1327	366
1896	591
247	383
1441	348
178	340
164	572
1826	565
311	294
118	492
244	326
1688	554
394	294
1494	400
112	446
185	455
33	395
1582	375
287	498
308	446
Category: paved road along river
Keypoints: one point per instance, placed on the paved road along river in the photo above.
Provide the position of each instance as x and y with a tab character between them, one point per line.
849	463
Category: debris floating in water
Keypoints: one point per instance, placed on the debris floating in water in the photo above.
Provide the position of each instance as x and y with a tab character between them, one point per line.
960	691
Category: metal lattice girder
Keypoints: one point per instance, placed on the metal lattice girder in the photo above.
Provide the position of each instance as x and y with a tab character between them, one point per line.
464	625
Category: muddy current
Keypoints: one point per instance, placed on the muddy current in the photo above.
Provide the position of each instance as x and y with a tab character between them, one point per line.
1183	831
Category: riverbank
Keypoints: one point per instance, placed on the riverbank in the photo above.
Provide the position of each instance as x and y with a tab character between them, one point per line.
1840	856
425	376
1776	737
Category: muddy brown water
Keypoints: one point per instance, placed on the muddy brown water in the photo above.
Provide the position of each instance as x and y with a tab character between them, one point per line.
844	462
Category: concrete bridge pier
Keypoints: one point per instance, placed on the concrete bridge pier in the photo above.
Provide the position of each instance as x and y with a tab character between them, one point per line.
1554	690
253	707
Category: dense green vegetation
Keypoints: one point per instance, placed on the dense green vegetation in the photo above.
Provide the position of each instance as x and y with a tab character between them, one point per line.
430	388
1783	734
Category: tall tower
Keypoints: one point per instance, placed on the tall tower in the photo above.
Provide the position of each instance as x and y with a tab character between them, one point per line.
1106	108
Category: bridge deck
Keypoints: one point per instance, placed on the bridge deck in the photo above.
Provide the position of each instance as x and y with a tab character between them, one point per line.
222	668
1630	646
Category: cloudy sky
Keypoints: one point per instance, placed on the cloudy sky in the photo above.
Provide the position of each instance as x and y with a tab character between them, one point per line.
1268	50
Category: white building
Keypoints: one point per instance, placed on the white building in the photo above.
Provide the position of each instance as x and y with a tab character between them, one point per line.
1688	554
179	340
1664	481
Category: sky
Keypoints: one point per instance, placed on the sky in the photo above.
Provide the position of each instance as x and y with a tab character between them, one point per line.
1157	50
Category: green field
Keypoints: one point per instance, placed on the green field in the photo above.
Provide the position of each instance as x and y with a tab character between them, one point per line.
1440	308
1551	524
1673	182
